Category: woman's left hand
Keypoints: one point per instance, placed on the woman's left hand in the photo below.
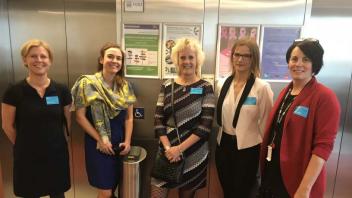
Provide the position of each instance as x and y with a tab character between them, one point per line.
126	148
173	154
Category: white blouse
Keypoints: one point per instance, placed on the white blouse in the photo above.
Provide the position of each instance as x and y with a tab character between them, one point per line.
253	115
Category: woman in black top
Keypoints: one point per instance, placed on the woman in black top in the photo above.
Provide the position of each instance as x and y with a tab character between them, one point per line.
34	112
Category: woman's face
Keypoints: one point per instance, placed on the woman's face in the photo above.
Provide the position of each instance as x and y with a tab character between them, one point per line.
112	61
242	59
187	62
300	66
37	61
253	33
224	32
243	32
232	33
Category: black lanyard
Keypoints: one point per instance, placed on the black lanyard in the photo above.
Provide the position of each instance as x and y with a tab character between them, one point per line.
281	115
282	111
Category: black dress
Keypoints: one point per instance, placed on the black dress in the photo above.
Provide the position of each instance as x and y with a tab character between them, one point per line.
41	162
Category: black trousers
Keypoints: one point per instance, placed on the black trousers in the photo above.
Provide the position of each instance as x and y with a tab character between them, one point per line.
237	169
267	193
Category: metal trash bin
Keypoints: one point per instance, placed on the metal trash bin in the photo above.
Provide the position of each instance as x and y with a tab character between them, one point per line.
131	174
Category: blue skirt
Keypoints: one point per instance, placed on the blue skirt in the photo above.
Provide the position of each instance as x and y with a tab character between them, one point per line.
105	171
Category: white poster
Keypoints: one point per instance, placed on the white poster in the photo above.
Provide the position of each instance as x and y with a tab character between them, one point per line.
171	34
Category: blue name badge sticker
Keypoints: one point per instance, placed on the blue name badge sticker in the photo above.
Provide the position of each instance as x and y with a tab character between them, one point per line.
301	111
196	90
250	101
52	100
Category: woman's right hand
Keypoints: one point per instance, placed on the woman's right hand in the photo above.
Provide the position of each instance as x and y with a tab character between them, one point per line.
104	145
173	154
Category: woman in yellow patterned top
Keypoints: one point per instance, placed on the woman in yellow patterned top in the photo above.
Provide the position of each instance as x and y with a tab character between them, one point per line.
104	105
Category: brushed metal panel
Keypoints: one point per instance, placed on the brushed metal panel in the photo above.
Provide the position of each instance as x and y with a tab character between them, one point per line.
344	174
327	18
167	11
210	34
336	75
285	12
89	24
43	20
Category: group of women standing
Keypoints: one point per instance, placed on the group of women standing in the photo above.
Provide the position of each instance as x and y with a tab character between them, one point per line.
36	112
291	139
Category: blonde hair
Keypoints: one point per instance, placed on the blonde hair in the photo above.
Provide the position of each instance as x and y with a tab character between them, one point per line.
28	45
254	50
192	44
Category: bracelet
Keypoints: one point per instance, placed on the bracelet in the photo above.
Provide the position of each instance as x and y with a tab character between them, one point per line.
179	149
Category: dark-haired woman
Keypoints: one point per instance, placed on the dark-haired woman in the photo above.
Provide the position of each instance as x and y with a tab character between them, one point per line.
301	129
104	104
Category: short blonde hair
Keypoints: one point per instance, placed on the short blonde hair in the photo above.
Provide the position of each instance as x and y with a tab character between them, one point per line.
192	44
255	54
27	46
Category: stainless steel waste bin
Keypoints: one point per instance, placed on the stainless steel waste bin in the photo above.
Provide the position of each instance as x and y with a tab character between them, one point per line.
131	174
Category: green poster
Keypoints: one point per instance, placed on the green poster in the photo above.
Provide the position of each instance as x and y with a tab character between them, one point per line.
142	50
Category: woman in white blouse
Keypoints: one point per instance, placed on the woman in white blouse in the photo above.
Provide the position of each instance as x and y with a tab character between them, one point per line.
243	106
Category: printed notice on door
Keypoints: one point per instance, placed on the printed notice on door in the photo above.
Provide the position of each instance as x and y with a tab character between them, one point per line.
141	44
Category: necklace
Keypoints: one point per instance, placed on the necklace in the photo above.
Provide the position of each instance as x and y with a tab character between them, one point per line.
282	113
185	83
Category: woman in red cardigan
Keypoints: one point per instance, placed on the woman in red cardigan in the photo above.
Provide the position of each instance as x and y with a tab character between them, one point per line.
301	129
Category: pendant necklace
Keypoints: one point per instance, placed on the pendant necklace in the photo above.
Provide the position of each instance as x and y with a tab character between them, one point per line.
282	113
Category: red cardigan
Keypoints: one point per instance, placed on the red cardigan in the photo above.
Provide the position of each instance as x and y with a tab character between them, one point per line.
303	137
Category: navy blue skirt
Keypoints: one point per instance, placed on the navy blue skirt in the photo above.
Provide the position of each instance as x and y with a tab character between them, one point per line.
105	171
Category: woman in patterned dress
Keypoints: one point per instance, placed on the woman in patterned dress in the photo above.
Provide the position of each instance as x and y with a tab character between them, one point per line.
194	105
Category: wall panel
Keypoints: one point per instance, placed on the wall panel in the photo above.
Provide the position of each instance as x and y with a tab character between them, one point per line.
287	12
6	74
43	20
328	24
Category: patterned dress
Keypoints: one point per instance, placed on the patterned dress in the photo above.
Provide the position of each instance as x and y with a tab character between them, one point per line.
194	109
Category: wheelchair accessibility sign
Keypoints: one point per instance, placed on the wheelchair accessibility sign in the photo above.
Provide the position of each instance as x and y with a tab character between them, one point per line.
138	113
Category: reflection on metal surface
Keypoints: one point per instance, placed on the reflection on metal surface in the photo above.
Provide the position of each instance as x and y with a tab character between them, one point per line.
329	24
242	4
287	12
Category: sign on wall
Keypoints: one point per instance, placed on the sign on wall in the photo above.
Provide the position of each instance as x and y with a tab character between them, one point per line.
142	43
134	5
227	36
275	43
172	32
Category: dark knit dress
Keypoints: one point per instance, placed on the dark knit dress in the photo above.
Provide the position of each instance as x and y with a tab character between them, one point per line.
194	108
